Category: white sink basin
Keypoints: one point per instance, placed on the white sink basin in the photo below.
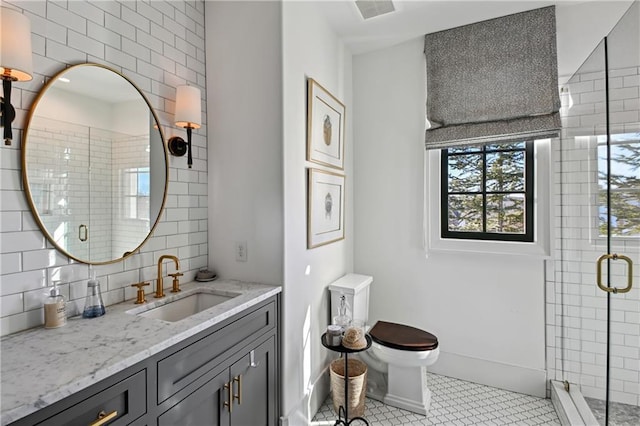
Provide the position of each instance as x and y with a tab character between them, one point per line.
183	307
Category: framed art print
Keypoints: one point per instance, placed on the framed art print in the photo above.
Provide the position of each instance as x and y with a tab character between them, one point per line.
325	127
325	211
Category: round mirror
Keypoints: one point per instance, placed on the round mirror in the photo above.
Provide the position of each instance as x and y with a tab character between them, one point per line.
94	164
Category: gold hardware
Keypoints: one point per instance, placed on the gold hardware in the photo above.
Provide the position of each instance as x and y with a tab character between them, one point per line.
629	273
104	418
159	283
83	233
176	282
238	379
140	295
229	387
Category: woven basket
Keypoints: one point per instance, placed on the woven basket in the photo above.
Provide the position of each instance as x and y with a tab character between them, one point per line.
357	386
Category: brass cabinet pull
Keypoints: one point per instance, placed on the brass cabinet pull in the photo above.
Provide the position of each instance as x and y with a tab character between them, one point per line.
104	418
238	379
229	388
629	272
83	233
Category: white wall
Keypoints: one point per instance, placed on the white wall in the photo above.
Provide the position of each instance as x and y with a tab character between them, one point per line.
261	55
310	49
487	310
244	88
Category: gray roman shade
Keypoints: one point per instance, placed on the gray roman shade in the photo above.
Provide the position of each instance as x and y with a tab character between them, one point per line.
493	81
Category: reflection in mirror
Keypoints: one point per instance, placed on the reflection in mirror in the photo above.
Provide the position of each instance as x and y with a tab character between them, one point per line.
94	164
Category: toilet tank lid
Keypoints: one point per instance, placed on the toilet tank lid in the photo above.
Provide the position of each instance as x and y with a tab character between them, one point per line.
351	283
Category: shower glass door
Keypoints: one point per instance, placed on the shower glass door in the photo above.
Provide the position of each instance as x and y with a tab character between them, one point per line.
598	233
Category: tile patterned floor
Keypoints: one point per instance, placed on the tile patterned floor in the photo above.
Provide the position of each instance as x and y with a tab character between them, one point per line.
456	402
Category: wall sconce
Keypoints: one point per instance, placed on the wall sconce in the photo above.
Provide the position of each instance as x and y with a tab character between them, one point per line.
187	115
15	61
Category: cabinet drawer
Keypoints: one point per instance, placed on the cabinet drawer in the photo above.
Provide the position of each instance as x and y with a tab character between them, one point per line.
128	398
183	367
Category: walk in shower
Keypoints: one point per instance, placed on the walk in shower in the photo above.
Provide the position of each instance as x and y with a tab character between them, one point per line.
594	279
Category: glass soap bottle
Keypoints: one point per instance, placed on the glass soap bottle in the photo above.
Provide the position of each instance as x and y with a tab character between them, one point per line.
55	309
342	319
93	305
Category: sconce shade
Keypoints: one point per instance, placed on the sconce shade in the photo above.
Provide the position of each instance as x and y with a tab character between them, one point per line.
15	45
188	113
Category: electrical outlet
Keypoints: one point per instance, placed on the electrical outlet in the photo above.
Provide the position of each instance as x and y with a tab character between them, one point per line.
241	251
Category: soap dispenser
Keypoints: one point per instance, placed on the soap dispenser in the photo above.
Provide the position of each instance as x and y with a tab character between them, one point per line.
93	305
55	309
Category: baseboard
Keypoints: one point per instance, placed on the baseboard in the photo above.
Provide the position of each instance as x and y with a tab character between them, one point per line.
514	378
307	407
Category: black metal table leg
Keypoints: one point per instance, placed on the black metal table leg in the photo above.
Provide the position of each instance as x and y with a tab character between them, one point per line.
346	351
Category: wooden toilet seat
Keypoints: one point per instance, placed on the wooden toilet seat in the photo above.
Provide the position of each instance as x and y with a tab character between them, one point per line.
402	337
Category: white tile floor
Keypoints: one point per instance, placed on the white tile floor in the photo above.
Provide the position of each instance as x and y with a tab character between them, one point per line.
456	402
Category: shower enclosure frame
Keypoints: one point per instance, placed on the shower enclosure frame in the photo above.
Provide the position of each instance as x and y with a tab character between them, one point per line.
594	322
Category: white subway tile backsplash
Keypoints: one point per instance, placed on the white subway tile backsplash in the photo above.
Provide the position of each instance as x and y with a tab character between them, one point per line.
39	259
117	34
158	32
114	23
137	20
122	279
21	241
105	35
125	60
22	321
71	20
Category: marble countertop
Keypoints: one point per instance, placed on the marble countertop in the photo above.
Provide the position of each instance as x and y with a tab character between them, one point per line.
40	367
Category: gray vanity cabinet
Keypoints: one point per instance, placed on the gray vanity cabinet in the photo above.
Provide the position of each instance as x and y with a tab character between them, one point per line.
224	375
244	394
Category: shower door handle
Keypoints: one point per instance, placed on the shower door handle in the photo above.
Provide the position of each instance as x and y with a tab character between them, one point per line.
83	233
629	272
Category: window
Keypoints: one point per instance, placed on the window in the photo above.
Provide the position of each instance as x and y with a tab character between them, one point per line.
625	186
487	192
136	193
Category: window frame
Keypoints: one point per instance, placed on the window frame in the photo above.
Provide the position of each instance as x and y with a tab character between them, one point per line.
544	189
528	192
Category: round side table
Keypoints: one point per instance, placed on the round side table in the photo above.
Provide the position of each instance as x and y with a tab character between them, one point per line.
346	352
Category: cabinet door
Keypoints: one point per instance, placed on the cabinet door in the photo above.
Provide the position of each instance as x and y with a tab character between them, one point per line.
255	387
205	406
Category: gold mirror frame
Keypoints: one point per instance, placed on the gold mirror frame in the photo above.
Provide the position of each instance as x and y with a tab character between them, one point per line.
25	177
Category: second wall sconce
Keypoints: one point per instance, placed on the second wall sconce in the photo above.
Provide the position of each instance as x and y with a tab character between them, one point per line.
16	63
187	115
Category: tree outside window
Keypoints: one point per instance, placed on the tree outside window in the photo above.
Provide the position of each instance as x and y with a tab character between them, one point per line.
624	187
487	192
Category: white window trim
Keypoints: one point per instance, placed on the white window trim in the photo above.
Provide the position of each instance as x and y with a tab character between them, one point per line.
540	247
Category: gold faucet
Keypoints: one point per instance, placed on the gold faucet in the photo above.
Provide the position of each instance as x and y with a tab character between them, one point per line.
159	287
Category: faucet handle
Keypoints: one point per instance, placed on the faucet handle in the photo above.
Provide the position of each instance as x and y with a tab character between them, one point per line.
176	281
140	295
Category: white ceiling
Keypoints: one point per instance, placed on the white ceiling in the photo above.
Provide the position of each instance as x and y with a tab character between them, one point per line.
414	18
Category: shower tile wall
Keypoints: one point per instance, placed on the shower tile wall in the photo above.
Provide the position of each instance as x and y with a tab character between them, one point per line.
158	45
577	342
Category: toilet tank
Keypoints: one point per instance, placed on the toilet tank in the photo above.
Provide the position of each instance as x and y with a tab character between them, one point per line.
355	288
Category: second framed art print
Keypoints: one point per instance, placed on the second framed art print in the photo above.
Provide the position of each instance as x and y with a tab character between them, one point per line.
325	210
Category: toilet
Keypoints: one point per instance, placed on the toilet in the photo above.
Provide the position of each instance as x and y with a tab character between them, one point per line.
399	353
